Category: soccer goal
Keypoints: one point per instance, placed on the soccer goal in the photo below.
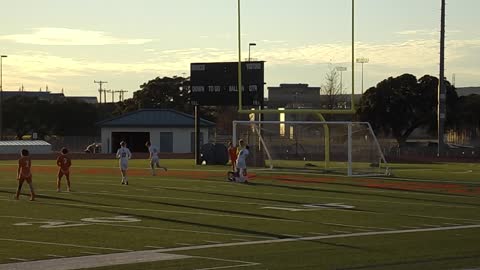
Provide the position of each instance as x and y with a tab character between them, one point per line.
344	148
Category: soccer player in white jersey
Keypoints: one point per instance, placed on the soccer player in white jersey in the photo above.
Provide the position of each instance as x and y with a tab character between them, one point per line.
242	162
123	155
154	158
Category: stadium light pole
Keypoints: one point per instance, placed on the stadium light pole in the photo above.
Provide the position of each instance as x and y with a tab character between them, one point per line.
1	95
249	46
442	91
350	111
362	61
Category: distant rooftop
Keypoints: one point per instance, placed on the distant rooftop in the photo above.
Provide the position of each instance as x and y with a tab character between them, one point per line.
154	118
46	95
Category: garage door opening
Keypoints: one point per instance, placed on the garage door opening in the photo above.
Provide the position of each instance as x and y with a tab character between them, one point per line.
135	141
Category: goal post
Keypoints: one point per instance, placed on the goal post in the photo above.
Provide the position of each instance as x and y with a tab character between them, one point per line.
301	145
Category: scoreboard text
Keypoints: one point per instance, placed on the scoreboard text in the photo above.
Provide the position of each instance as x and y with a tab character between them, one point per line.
217	83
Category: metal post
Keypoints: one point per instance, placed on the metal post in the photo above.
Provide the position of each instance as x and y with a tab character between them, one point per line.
442	91
239	58
1	96
350	170
198	160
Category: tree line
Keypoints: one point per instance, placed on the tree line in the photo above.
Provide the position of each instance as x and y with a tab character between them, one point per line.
395	107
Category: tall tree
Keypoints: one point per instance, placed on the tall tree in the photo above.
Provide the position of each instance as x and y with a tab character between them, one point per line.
332	89
25	115
166	92
398	106
468	115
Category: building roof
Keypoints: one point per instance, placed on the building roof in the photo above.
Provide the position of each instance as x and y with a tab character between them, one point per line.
25	143
154	118
41	95
89	100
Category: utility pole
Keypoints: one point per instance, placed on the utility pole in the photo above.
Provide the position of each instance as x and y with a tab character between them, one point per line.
100	90
442	91
121	94
113	92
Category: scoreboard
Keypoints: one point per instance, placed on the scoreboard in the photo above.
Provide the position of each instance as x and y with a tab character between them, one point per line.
216	84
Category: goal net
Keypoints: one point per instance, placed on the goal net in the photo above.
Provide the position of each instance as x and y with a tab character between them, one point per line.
345	148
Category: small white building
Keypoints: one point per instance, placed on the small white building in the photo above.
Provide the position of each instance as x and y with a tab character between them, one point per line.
172	131
34	147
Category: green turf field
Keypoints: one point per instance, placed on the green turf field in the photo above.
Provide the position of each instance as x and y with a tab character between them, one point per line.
425	217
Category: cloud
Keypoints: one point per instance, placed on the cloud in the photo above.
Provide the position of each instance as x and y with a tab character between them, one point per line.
416	32
417	56
67	36
426	32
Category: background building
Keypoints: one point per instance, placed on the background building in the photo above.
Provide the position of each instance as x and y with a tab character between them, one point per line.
172	131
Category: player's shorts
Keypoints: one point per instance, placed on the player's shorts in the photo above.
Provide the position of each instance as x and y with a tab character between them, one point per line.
27	178
241	164
62	172
154	160
123	165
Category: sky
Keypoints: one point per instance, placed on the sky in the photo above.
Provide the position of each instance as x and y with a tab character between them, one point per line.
67	44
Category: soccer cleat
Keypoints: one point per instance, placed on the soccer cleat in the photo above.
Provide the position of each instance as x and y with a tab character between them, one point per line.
165	168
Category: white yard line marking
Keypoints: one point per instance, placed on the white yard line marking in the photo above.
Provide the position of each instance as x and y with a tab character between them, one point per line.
148	256
55	256
212	242
292	235
245	216
445	204
361	230
239	263
375	191
346	232
93	261
17	259
154	247
291	209
152	228
90	253
61	244
463	172
286	240
447	218
452	224
409	227
354	226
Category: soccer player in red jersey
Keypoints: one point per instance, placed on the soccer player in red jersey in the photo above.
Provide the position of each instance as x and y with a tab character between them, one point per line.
64	162
232	152
24	173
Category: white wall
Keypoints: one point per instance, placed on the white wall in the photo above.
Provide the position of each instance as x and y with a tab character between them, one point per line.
181	137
